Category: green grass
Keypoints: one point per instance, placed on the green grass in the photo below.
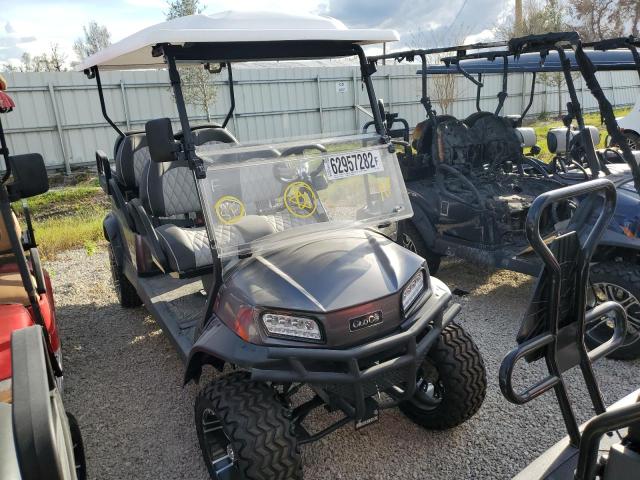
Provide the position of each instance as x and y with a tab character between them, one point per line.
542	127
68	217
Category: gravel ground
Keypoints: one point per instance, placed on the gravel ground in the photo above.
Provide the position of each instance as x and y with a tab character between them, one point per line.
123	381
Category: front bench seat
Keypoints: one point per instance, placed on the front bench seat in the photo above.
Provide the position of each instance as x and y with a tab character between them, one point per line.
169	196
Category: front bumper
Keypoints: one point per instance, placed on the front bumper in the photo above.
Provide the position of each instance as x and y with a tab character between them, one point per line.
350	375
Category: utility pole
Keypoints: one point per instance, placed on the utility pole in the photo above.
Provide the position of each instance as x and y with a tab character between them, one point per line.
518	17
384	52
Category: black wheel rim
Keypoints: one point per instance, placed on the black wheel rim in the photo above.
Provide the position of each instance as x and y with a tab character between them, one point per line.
633	143
601	329
429	387
218	450
408	243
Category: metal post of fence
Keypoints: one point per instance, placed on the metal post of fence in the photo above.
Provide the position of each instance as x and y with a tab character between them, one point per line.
613	90
320	103
356	104
56	115
125	104
389	102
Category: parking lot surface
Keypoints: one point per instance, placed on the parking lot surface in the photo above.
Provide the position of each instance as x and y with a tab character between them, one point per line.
123	381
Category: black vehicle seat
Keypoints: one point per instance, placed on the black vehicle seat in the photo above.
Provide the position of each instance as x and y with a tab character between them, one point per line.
500	142
130	160
204	136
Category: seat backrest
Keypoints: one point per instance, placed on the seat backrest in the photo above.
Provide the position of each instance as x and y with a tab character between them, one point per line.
5	242
131	157
500	142
213	134
167	189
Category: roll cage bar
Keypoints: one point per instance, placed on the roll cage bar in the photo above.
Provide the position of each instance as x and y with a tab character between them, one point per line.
410	55
631	43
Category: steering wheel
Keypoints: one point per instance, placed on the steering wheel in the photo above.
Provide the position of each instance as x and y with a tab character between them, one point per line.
286	173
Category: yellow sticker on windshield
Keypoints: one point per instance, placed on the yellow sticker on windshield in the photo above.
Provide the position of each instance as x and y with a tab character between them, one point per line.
300	199
229	209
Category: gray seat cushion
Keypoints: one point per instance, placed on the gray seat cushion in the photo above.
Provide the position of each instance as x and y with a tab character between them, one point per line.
131	157
185	248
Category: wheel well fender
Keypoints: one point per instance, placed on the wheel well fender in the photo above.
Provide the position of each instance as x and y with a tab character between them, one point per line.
218	345
111	232
422	222
196	362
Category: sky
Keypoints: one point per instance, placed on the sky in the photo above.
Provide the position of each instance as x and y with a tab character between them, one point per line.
33	25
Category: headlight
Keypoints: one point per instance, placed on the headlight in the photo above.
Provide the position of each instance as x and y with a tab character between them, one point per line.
291	326
413	290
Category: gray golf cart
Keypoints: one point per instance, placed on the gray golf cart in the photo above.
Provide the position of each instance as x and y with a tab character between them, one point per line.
301	288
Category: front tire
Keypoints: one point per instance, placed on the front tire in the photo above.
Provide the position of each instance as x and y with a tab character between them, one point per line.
125	291
452	382
242	426
409	237
620	282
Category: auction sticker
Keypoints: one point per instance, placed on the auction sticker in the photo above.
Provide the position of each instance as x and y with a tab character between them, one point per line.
345	165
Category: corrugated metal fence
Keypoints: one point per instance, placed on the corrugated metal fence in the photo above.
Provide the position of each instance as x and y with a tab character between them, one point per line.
58	114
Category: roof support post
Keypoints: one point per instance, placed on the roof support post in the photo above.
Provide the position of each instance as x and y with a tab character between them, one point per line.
94	72
367	70
188	143
232	99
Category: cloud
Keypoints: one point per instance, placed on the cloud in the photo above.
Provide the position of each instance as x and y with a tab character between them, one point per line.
434	21
10	43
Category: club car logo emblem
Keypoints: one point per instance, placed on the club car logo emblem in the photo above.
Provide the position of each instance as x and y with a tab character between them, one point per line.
368	320
229	209
300	199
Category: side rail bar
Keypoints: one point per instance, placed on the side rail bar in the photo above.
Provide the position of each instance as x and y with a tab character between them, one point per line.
541	341
539	205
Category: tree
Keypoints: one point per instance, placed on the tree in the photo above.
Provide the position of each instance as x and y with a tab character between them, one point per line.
600	19
538	16
444	88
96	37
52	61
197	87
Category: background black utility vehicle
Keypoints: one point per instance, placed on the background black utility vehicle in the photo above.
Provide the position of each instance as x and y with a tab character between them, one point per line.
299	290
553	331
471	185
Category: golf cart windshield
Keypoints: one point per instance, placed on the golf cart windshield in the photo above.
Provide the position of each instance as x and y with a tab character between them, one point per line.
263	197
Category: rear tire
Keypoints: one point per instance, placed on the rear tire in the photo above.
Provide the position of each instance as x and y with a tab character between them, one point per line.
452	382
620	282
409	237
249	418
125	291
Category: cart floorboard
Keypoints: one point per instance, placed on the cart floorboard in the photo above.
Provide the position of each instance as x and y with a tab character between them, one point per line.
177	304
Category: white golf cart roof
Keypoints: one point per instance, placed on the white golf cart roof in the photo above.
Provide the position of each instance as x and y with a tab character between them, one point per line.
134	51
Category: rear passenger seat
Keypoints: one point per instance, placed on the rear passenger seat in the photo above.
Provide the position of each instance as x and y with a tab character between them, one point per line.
131	157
